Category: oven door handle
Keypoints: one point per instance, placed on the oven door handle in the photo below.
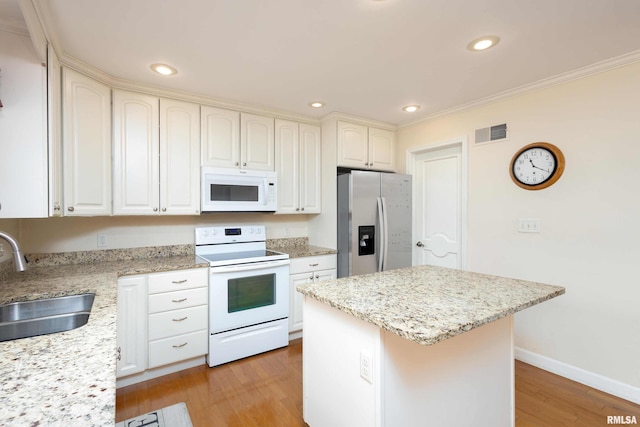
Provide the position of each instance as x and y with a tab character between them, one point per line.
248	267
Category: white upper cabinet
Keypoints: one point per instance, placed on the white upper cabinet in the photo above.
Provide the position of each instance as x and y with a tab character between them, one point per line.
54	106
298	166
237	140
310	169
156	155
364	147
136	150
257	150
220	137
23	139
179	157
382	149
86	145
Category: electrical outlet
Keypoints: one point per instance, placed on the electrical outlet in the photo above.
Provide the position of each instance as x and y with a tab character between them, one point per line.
529	225
102	240
366	366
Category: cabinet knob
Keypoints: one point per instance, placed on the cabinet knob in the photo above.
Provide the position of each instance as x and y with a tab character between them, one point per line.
155	209
244	163
311	278
317	277
119	357
70	209
56	207
164	209
301	209
297	209
237	163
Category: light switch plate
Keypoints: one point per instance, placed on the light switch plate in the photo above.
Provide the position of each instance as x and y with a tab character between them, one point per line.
529	225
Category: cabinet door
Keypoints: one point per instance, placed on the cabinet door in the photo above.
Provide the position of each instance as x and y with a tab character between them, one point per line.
54	106
86	145
23	139
382	150
220	132
296	300
131	325
257	148
179	158
287	166
352	145
135	154
309	171
322	275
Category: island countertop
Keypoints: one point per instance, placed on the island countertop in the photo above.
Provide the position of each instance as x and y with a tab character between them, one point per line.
427	304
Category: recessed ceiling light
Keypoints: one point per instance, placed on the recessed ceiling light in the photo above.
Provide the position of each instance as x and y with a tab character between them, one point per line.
411	108
316	104
164	69
483	43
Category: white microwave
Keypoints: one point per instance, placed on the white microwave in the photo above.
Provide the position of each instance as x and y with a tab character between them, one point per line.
238	190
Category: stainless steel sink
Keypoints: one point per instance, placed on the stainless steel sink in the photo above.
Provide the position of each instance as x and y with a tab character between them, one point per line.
44	316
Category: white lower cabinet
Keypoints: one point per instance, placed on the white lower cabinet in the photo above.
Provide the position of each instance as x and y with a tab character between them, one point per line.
162	320
302	271
131	326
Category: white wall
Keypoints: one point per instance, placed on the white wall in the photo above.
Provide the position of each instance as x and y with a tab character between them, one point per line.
590	239
80	234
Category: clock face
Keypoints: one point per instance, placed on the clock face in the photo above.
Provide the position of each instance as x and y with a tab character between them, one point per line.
534	166
537	166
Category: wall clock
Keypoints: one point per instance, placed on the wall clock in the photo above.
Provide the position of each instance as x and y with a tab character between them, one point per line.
537	166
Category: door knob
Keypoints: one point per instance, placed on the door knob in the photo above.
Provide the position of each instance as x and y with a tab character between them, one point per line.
419	244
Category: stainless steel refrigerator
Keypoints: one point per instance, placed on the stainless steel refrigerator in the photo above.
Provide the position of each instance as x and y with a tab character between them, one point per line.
374	222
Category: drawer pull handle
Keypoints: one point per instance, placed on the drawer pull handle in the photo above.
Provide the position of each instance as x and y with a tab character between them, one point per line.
179	300
313	265
177	282
179	345
181	319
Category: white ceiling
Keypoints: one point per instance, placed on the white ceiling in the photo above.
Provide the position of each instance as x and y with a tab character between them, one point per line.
362	57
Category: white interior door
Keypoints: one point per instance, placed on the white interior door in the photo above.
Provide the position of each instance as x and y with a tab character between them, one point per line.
438	205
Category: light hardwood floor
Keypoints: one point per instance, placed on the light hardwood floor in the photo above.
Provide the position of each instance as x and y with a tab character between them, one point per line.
266	391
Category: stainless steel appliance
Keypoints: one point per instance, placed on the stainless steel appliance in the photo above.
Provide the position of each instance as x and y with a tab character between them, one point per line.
248	292
374	222
237	190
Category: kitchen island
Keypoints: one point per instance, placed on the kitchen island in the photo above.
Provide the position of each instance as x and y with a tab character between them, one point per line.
418	346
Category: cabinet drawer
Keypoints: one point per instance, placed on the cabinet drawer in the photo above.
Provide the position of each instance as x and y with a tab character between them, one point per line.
312	263
177	300
174	349
176	322
177	280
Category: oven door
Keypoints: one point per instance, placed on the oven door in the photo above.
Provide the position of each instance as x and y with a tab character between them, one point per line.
248	294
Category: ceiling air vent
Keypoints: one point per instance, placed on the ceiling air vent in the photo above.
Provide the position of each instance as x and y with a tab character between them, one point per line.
492	133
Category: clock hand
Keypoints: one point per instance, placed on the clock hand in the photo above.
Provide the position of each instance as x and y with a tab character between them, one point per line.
536	167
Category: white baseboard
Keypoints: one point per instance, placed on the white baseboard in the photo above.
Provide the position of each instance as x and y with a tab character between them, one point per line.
599	382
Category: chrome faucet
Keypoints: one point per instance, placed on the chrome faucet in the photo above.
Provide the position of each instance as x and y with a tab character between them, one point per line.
18	258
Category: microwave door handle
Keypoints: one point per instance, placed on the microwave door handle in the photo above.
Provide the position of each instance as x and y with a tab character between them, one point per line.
248	267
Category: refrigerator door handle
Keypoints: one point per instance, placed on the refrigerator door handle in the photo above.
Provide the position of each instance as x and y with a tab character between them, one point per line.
381	233
385	235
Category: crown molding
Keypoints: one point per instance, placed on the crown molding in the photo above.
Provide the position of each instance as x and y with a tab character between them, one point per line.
336	115
589	70
14	27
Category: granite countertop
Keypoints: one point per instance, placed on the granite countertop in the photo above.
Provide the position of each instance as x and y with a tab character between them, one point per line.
69	378
428	304
298	247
